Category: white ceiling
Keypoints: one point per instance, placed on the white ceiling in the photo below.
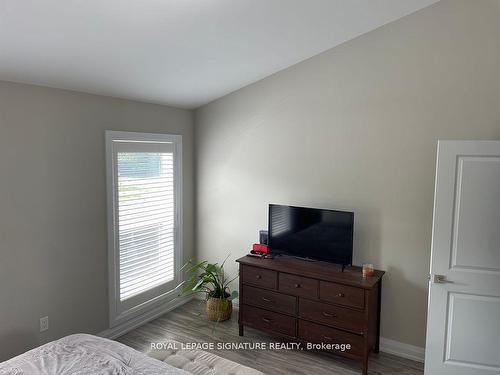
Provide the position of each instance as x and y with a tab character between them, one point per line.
183	53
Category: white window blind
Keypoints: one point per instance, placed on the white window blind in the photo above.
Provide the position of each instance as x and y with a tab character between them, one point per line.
144	187
146	220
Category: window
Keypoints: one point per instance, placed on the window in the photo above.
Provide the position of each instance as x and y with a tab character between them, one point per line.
144	179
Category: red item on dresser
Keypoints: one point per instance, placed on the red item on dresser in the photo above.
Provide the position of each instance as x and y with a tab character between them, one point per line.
260	247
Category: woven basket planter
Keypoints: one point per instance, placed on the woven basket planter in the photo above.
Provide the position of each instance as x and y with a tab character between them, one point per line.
219	309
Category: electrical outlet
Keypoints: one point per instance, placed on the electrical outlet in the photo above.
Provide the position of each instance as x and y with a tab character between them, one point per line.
44	323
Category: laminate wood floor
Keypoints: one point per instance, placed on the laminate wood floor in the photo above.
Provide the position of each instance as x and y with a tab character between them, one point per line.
187	324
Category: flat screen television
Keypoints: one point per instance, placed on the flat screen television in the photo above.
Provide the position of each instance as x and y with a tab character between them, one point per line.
311	233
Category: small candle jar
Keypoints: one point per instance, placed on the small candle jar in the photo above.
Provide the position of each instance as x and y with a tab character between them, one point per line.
368	270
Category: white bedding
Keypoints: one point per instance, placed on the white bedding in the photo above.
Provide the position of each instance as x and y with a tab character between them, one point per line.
85	355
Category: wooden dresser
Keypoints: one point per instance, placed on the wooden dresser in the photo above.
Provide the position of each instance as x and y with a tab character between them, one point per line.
312	302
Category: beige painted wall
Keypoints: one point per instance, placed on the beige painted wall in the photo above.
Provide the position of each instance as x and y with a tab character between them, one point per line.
355	128
53	239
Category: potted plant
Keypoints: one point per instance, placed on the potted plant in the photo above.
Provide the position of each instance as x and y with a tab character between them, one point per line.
209	278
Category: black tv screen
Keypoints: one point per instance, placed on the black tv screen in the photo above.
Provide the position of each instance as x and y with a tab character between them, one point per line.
311	233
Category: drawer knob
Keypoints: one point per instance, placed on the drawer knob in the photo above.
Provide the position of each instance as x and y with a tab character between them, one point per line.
258	277
265	320
266	299
341	295
297	285
328	315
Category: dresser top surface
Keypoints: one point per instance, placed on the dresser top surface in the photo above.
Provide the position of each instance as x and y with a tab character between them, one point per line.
351	275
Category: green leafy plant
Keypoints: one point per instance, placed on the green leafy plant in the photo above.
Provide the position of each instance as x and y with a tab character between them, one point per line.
209	278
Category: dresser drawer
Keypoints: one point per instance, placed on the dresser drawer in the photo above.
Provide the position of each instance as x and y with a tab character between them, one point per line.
317	333
298	286
267	320
268	300
259	277
342	294
336	316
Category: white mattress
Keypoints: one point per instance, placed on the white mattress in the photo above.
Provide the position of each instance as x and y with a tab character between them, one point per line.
86	355
200	362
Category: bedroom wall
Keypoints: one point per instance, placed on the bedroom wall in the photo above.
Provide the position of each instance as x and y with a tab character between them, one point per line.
53	239
355	128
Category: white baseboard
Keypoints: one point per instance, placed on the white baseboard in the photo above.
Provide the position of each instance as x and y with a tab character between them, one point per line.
129	325
400	349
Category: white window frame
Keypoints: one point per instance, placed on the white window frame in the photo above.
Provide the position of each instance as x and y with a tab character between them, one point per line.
120	311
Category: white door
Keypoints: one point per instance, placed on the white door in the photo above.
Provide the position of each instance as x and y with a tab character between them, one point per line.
463	326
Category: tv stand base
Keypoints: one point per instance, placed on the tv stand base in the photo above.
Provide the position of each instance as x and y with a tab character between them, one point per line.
312	302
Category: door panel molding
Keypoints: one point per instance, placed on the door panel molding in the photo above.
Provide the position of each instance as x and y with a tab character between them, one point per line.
451	302
456	215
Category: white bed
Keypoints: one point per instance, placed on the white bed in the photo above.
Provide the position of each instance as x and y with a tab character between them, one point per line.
86	355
